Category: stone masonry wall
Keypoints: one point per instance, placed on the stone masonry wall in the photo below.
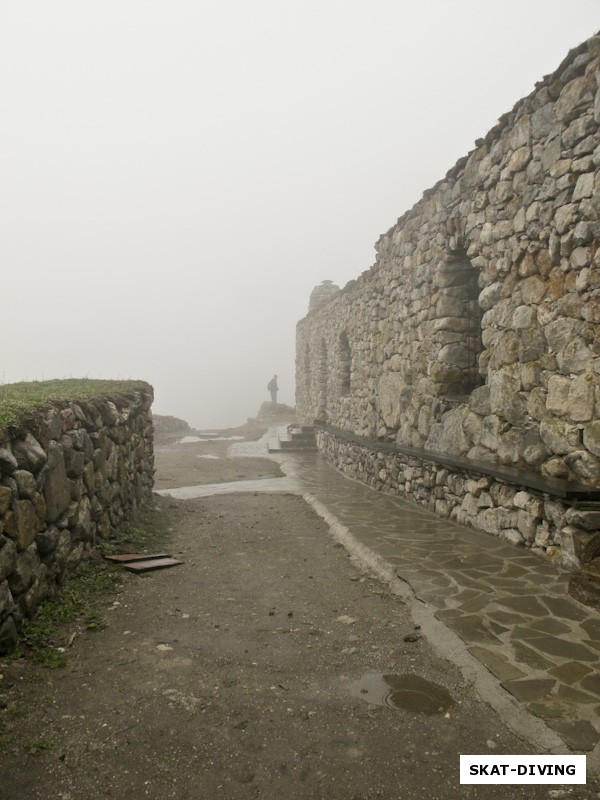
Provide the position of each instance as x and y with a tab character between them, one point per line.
67	479
477	331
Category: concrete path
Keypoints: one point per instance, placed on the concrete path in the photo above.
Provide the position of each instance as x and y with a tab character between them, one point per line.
500	612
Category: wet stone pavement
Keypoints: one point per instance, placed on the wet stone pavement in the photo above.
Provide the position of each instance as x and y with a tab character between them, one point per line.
509	606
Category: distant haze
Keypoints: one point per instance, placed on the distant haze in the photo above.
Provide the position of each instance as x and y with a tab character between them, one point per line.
177	176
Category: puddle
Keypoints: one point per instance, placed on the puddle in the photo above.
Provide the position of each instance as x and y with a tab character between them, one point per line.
405	692
287	485
208	438
217	458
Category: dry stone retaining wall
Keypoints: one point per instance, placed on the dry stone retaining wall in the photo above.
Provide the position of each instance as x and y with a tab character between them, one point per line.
67	479
477	331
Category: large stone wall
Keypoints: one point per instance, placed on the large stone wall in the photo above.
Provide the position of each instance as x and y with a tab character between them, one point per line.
68	477
477	331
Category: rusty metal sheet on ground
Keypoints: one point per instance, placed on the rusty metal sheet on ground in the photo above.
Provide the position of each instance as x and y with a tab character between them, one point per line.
154	563
123	558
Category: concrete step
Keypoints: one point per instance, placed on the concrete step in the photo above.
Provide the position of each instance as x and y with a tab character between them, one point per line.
298	439
301	434
291	447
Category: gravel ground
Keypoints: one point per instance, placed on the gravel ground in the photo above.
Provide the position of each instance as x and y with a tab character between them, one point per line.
239	675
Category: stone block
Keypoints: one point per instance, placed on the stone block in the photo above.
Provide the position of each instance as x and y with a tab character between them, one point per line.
57	489
574	357
578	546
46	541
555	468
584	186
26	483
8	636
591	437
581	398
22	524
448	436
583	464
572	97
390	388
557	401
82	520
519	159
25	572
29	453
558	436
8	557
7	603
543	537
74	463
511	535
527	524
8	463
6	497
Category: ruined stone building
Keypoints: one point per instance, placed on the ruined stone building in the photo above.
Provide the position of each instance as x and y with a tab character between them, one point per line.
462	371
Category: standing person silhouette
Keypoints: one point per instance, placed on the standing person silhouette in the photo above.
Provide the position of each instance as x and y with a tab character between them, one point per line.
273	389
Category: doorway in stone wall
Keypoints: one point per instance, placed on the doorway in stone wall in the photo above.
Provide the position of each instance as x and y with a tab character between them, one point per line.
458	325
322	378
307	373
345	364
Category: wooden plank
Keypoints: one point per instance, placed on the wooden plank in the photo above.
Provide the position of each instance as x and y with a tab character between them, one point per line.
123	558
154	563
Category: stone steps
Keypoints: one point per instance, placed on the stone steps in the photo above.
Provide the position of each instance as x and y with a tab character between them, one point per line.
298	438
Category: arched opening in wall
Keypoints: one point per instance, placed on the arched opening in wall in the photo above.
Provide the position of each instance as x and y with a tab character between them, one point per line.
345	364
458	327
322	376
307	371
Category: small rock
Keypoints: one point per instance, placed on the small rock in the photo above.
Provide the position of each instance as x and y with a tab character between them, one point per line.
412	637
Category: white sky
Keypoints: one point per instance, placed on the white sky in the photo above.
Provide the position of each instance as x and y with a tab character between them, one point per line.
177	176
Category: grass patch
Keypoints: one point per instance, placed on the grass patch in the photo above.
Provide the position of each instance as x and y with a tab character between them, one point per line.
19	400
35	677
50	658
94	622
36	746
149	533
40	637
18	711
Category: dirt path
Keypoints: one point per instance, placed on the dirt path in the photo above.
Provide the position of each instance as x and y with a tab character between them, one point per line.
237	675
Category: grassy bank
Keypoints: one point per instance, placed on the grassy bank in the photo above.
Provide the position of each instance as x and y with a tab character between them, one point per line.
17	400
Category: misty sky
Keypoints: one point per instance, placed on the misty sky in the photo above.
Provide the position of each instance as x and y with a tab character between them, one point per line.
177	176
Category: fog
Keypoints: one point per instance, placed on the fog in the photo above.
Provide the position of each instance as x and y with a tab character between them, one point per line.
177	176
